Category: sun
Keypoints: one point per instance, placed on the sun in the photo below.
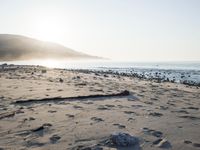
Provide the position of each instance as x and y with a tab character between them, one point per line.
49	27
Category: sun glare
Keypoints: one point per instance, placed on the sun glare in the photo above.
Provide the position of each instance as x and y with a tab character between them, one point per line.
48	27
50	63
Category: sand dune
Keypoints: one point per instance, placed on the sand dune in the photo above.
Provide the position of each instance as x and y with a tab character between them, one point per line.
16	47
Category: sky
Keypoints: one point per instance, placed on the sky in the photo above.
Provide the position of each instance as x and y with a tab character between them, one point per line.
132	30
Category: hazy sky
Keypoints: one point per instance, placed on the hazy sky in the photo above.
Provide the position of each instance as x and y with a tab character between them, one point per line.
137	30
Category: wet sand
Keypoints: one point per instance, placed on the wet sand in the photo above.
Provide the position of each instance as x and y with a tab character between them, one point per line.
42	108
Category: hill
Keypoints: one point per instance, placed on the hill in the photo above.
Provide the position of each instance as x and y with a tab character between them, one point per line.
17	47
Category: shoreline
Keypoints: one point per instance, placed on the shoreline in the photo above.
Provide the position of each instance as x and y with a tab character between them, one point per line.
155	76
142	76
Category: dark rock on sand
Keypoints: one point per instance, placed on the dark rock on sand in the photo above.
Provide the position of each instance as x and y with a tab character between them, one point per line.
125	93
44	71
122	140
61	80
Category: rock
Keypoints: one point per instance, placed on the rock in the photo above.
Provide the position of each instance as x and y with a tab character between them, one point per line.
61	80
44	71
125	92
105	75
123	140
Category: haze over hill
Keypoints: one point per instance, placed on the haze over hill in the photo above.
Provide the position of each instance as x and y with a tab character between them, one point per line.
16	47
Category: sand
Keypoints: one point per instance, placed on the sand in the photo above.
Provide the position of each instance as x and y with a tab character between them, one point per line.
159	115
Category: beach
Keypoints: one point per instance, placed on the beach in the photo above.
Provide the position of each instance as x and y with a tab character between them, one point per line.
60	109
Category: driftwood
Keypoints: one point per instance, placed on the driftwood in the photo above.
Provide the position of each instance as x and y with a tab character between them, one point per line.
56	99
10	114
7	115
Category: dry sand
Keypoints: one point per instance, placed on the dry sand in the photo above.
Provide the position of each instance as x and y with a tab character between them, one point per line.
159	115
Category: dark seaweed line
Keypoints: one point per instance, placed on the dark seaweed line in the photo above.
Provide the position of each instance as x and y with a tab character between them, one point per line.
56	99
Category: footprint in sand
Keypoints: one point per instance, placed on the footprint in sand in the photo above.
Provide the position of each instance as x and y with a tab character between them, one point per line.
193	144
180	111
152	132
52	111
34	143
38	131
155	114
96	119
189	117
154	99
119	126
54	139
102	107
89	103
70	116
149	103
77	107
137	106
131	119
194	108
130	112
187	142
110	106
196	144
162	143
164	107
